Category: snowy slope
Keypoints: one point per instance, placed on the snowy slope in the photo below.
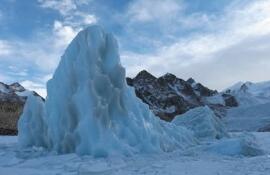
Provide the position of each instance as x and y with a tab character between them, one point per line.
253	113
249	93
14	93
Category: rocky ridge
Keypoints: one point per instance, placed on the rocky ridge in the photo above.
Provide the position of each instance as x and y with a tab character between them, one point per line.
168	95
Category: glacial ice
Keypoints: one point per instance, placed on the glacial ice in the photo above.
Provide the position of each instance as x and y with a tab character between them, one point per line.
203	122
31	123
243	145
90	110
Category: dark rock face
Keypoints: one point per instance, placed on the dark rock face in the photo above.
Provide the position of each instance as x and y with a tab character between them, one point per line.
204	91
230	100
265	128
168	96
9	115
12	100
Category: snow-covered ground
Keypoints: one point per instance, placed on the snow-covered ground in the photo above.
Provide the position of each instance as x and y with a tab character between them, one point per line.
192	162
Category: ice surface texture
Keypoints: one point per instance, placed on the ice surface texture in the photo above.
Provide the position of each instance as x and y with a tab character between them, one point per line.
31	123
243	145
90	110
203	122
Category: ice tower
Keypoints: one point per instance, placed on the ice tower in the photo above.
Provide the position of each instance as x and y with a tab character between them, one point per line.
90	109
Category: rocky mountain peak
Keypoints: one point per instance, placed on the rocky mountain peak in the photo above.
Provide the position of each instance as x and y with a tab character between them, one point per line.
17	87
191	81
204	91
167	78
145	75
168	95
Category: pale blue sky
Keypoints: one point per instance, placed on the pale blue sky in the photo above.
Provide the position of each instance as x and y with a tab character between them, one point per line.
216	42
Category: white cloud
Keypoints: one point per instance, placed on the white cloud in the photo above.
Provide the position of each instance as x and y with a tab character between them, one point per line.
39	88
63	34
234	42
1	16
150	10
38	84
43	51
5	48
63	6
15	71
4	78
89	19
70	11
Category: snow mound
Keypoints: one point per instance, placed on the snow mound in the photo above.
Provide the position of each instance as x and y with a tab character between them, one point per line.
203	122
90	110
245	145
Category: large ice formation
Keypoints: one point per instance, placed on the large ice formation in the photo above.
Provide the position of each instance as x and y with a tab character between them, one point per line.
90	110
203	122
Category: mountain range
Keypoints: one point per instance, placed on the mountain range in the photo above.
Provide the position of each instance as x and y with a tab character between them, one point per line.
169	96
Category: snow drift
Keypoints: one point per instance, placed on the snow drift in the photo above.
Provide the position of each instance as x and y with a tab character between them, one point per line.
203	122
90	110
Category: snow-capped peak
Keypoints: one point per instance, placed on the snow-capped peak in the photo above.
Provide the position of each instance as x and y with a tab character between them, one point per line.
15	92
17	87
191	81
249	93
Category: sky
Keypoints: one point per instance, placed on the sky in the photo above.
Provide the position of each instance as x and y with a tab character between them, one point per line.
218	43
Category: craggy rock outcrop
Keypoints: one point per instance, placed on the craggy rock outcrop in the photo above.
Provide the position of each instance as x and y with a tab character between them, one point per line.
168	95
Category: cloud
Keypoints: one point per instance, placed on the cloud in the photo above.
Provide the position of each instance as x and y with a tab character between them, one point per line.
43	50
1	16
39	88
160	36
28	60
233	44
63	6
15	71
63	33
5	48
71	12
38	84
153	10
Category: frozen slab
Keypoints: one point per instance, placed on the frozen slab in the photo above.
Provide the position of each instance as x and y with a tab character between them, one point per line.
203	122
242	145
